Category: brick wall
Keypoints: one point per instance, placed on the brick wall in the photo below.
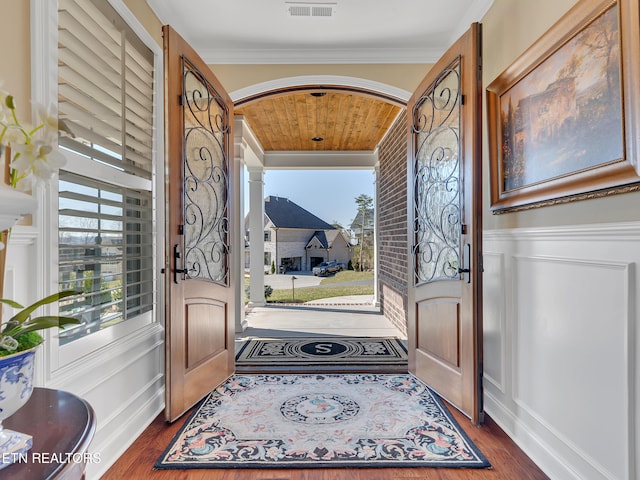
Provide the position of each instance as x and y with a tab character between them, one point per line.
392	224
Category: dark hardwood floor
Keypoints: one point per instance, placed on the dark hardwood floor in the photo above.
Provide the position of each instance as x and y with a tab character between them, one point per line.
507	460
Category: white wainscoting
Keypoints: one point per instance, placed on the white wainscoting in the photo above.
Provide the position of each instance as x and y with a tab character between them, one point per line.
560	343
123	382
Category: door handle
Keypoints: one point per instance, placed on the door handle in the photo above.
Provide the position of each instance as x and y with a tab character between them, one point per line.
467	270
176	256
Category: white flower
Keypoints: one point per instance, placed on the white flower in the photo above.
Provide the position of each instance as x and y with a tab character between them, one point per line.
38	160
35	154
14	135
49	122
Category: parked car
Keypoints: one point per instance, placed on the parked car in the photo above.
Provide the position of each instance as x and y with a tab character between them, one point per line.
326	268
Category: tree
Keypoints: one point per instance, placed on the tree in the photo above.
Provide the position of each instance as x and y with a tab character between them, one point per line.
600	40
364	219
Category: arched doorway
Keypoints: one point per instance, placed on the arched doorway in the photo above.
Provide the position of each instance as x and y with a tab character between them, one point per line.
272	114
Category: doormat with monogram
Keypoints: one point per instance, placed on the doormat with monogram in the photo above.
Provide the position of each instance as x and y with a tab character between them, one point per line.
361	353
329	420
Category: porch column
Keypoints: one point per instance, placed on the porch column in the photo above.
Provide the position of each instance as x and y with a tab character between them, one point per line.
376	234
256	236
238	235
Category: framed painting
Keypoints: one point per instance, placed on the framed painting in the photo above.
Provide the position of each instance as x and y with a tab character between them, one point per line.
563	118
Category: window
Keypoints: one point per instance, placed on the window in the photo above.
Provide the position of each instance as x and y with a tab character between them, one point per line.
105	208
105	251
267	236
267	258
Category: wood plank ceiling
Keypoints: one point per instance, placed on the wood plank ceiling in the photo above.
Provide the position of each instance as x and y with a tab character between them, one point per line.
344	121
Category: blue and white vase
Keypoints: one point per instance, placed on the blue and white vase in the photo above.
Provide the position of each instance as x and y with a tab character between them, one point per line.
16	386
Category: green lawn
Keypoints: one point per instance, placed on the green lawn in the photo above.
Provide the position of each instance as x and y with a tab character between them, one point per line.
348	276
306	294
333	286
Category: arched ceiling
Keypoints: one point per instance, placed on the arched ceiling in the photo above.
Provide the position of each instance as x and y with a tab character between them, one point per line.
338	121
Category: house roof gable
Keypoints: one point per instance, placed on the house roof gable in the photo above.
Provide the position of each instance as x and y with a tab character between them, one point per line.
284	213
326	238
320	237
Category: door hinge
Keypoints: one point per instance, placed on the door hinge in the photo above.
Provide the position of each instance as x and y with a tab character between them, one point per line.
461	99
181	99
180	229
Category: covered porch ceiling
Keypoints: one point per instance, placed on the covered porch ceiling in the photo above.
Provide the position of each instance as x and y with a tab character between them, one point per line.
319	128
319	120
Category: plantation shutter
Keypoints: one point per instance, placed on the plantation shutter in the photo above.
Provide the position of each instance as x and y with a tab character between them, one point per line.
105	76
105	217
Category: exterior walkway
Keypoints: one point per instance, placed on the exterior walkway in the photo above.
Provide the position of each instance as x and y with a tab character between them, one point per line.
342	316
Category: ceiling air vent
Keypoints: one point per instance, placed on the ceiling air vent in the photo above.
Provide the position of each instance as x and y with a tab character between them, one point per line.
322	11
301	9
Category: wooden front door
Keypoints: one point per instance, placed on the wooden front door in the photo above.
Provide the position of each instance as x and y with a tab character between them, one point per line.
445	213
199	282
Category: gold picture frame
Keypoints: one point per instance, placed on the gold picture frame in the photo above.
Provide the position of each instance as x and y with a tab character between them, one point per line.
563	119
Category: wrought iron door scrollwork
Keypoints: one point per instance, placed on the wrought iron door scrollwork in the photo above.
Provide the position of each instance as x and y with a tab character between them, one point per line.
437	200
206	179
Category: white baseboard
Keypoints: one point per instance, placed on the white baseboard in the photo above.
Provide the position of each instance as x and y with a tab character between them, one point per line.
549	462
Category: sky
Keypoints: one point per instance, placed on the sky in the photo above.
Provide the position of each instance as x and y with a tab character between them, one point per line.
328	194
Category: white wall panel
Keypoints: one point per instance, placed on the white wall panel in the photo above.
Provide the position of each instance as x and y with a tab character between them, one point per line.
494	319
568	396
571	319
124	383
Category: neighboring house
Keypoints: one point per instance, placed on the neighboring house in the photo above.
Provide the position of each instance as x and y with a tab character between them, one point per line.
295	239
328	245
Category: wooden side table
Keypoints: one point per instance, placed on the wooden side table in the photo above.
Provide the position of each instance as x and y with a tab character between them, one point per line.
62	426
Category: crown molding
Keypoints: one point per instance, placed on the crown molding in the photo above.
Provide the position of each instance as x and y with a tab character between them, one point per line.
320	56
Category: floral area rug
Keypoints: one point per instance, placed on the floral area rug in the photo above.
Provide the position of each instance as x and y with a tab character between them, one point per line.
352	420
